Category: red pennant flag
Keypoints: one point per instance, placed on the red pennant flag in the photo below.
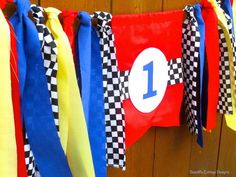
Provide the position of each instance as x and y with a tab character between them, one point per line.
149	55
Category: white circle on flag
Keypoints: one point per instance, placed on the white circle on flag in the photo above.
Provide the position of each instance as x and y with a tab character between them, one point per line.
148	80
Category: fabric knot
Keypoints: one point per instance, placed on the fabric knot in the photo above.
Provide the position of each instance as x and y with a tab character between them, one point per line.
84	18
69	17
52	12
37	12
23	6
190	13
103	19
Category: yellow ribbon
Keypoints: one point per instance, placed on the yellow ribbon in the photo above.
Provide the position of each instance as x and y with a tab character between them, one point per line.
8	153
230	119
73	130
234	13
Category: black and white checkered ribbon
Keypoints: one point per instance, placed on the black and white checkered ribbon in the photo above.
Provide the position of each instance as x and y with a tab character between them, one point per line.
114	112
175	76
29	159
190	55
233	44
225	105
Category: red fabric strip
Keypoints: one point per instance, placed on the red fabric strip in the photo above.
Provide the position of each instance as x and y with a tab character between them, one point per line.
68	24
212	56
21	167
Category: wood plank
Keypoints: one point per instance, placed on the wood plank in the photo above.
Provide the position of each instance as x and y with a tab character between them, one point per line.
81	5
204	160
34	1
176	5
139	158
172	152
227	154
135	6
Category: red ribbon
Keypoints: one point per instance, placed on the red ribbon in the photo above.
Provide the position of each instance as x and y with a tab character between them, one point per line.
21	167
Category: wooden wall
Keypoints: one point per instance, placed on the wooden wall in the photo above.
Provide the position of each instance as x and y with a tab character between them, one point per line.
166	152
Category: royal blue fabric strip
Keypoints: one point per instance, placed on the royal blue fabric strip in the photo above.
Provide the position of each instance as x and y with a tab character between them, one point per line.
36	108
92	91
226	6
98	136
201	25
84	44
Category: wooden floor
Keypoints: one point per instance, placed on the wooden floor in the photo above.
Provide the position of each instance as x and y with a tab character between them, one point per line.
166	152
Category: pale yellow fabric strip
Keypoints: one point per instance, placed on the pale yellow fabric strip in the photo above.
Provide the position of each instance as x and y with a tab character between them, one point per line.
230	119
74	136
234	13
62	78
8	153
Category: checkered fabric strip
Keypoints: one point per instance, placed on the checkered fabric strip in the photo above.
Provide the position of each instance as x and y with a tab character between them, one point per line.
29	158
175	75
175	71
233	44
124	84
190	47
224	105
49	54
114	112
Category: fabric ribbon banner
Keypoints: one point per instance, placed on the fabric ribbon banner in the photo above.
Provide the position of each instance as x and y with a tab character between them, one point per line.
77	89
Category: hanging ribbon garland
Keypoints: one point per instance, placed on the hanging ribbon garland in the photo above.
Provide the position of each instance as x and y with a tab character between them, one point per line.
69	91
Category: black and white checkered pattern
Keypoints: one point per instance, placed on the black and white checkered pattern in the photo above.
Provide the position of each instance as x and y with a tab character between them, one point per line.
175	72
225	105
233	44
124	84
190	47
114	112
175	76
29	158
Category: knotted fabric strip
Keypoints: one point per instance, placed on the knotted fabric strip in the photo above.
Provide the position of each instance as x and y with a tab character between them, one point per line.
201	26
21	167
92	91
49	54
69	26
191	46
227	7
36	108
230	119
211	73
73	130
114	112
8	149
226	98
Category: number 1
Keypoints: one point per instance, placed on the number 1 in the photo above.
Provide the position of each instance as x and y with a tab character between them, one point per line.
150	92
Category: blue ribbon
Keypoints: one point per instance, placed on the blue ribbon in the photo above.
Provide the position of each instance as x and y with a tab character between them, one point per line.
201	26
36	108
84	49
226	6
90	62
